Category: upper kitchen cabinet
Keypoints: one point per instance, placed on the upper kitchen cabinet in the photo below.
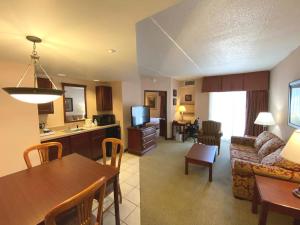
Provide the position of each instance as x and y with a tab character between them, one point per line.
46	108
104	98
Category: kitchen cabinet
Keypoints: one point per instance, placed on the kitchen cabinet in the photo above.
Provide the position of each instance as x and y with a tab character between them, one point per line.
88	144
96	143
46	108
104	98
65	141
80	143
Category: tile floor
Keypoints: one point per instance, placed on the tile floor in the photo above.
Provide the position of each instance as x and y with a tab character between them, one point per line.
130	187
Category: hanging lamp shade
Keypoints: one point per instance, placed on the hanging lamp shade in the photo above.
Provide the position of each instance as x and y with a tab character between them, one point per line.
34	95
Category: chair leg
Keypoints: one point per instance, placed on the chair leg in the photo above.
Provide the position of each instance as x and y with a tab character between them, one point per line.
120	194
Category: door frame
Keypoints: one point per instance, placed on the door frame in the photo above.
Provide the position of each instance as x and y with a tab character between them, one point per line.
166	108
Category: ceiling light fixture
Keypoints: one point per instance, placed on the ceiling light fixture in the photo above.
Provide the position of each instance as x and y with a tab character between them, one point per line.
96	80
34	95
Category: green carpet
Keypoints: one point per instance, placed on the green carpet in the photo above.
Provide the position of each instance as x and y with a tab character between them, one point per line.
168	197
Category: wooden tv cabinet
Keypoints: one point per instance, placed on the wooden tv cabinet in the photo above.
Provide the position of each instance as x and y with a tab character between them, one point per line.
141	140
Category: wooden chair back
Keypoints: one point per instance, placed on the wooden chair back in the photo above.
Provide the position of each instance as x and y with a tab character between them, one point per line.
83	202
43	151
116	144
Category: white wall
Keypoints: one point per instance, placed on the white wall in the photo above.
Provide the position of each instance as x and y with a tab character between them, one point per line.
286	71
19	121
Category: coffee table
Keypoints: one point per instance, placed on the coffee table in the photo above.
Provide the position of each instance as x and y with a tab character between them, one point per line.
201	154
275	195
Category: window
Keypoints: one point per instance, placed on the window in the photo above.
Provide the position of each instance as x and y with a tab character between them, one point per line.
229	108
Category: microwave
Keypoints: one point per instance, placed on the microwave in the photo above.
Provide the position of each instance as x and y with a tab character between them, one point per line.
105	119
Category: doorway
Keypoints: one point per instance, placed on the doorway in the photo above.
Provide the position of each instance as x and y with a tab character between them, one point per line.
157	101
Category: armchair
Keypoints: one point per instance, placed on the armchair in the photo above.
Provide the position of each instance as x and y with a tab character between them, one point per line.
210	133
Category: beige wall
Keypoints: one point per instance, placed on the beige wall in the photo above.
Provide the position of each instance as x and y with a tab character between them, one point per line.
286	71
131	93
19	121
201	101
57	119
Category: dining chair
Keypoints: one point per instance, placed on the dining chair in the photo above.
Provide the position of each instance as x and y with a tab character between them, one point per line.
115	161
82	204
43	151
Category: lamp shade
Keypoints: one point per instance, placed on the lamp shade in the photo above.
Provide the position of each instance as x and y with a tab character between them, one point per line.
265	119
181	108
291	150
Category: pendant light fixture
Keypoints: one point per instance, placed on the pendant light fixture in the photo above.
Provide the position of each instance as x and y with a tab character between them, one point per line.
34	94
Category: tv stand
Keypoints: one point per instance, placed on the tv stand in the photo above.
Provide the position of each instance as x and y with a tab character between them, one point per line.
141	140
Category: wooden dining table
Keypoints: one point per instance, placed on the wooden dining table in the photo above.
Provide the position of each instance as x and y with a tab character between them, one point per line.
27	196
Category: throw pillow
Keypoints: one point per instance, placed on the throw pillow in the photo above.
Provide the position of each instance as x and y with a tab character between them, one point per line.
262	138
271	159
274	159
269	147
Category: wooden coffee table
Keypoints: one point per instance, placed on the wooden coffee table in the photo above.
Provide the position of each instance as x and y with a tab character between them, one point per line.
275	195
201	154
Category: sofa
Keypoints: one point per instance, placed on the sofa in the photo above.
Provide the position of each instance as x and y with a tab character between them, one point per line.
259	155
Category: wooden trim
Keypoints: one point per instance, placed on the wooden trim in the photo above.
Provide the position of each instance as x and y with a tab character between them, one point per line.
74	85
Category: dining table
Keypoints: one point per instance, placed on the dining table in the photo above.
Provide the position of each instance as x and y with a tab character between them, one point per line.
28	195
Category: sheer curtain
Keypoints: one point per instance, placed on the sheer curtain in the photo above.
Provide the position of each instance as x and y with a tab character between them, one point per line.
229	108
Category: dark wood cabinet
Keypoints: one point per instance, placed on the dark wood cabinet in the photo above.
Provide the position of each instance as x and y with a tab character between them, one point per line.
46	108
88	144
65	141
104	98
96	143
141	140
80	143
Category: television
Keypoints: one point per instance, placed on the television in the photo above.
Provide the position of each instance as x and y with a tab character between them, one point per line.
294	104
140	115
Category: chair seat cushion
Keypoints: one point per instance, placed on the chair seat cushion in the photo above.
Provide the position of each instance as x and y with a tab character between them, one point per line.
247	156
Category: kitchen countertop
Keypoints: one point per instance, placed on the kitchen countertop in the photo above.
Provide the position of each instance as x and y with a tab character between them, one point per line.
66	133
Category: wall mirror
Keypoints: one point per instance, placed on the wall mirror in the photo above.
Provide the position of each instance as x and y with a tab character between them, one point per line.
74	102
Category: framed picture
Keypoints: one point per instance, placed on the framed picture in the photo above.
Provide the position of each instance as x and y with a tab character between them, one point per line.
174	101
174	93
151	101
188	98
69	104
294	104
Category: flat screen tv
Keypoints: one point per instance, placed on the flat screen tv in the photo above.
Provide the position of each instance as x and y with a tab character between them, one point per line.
294	104
140	115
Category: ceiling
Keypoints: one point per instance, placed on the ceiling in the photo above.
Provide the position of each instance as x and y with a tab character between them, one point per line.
210	37
76	35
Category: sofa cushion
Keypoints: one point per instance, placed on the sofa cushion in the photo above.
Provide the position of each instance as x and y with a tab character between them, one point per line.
262	138
275	159
269	147
247	156
244	148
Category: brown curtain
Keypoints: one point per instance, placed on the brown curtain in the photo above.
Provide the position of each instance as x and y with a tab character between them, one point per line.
256	102
163	113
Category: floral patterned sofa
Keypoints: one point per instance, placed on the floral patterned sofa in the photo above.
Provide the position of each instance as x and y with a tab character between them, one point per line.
261	156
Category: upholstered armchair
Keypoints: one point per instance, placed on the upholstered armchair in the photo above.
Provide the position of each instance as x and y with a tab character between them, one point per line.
210	133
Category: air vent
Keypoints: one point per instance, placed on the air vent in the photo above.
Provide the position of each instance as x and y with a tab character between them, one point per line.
189	82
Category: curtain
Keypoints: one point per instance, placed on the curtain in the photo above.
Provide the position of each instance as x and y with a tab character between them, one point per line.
256	102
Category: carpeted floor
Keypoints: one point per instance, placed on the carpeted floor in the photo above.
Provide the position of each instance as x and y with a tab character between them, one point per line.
168	197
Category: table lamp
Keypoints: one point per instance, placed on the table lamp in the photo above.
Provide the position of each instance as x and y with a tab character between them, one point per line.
291	152
181	109
265	119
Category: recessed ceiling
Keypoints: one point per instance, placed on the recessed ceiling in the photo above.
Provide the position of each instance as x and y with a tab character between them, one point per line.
76	35
211	37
